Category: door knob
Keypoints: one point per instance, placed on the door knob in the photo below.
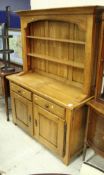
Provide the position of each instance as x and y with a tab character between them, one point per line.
47	106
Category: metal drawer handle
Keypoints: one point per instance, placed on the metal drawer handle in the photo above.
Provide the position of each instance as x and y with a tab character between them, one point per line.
47	106
19	91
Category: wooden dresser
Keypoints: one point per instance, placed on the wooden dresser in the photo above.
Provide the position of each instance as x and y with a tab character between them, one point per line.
59	71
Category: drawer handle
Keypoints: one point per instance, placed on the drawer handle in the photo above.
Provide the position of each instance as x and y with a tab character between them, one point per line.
47	106
24	92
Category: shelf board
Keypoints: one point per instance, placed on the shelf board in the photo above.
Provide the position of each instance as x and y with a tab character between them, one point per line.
65	62
57	39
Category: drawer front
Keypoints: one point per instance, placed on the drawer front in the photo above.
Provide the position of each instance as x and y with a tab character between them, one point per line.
21	91
49	106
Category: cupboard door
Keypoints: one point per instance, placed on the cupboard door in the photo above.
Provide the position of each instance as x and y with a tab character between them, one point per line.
96	131
49	129
22	112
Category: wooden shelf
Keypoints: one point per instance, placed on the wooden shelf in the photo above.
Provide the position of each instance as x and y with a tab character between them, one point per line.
49	58
57	39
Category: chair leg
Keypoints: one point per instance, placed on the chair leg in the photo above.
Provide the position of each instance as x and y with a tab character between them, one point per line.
84	152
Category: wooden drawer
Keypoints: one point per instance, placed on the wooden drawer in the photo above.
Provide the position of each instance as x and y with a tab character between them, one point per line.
21	91
49	106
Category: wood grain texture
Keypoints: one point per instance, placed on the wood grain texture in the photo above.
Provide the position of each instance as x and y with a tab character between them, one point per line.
50	88
54	49
48	128
51	107
22	112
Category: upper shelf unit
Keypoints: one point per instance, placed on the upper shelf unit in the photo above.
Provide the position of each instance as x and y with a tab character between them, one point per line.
62	44
57	48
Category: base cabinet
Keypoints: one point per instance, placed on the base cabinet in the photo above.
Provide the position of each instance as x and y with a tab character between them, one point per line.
22	112
59	129
49	129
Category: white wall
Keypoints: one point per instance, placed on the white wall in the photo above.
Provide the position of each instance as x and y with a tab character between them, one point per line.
41	4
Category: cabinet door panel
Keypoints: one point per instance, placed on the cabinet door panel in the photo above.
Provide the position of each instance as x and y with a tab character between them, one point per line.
22	112
49	129
20	106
